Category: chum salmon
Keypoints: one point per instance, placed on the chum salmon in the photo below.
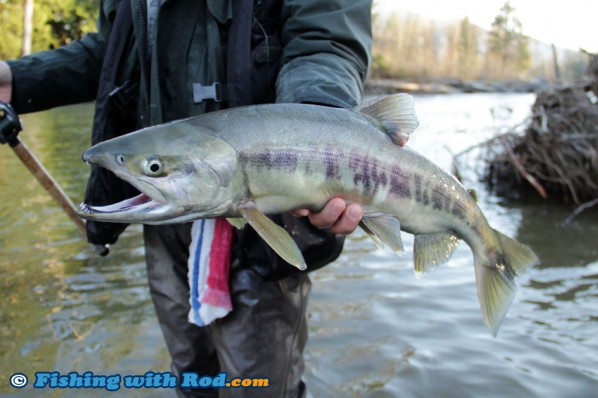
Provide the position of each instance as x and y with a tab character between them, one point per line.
249	162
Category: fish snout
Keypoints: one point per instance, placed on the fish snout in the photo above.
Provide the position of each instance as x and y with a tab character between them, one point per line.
85	157
92	155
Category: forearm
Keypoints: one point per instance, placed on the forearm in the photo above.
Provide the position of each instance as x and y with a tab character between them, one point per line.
322	79
326	51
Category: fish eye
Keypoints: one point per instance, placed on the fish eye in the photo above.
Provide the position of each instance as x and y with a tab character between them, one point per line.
120	159
153	167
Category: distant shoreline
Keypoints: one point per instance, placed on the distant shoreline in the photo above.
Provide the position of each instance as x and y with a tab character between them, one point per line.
449	86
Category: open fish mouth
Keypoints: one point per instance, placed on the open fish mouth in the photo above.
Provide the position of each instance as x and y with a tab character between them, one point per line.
141	204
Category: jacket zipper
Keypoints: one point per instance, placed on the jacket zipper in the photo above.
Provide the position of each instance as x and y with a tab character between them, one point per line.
145	45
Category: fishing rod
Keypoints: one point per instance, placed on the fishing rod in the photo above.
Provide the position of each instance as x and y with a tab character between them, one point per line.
10	126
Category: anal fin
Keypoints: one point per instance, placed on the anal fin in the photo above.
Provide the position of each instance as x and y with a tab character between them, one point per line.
433	249
275	236
372	235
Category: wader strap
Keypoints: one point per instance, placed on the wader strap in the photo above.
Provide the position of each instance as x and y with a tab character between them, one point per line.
239	53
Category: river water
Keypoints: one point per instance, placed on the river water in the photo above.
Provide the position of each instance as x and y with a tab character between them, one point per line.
376	330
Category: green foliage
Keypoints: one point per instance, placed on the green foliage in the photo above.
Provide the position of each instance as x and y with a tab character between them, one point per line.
55	23
467	49
11	21
380	66
508	47
466	44
72	22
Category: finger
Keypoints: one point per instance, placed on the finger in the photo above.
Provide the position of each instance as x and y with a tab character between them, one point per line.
300	212
349	220
329	215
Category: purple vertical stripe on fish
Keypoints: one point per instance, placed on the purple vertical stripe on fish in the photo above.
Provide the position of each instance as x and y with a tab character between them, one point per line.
331	159
399	183
417	182
459	208
438	197
367	172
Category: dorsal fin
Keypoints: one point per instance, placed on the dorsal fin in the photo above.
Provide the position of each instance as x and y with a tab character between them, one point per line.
395	113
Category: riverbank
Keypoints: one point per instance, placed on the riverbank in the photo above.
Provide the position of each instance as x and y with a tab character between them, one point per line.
448	86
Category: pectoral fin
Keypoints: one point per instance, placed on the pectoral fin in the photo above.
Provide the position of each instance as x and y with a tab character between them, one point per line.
383	228
275	236
433	249
237	222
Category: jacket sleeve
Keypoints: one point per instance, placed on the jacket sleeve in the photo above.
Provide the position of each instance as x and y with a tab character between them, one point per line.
62	76
326	51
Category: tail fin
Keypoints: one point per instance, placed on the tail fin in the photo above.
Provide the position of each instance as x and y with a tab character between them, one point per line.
517	255
495	279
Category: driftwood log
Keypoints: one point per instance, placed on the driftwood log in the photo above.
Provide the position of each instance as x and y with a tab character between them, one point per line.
558	152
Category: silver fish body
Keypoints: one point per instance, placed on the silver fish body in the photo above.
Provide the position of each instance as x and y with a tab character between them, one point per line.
253	161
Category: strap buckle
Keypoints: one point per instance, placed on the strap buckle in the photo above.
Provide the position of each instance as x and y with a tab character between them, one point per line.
212	92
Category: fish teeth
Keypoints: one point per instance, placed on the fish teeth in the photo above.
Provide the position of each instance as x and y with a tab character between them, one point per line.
84	208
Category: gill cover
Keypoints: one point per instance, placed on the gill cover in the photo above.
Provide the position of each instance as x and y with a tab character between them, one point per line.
184	168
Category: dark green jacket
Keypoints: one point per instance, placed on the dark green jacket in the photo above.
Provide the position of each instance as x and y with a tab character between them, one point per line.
323	49
258	51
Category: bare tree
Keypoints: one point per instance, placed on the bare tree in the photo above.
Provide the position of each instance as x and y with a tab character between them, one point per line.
27	27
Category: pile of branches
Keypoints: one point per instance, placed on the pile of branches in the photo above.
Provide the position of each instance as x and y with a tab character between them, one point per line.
558	152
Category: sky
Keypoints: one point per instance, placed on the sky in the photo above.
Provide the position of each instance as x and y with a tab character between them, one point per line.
570	24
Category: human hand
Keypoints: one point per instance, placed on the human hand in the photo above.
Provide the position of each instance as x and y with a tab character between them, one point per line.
340	217
5	82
